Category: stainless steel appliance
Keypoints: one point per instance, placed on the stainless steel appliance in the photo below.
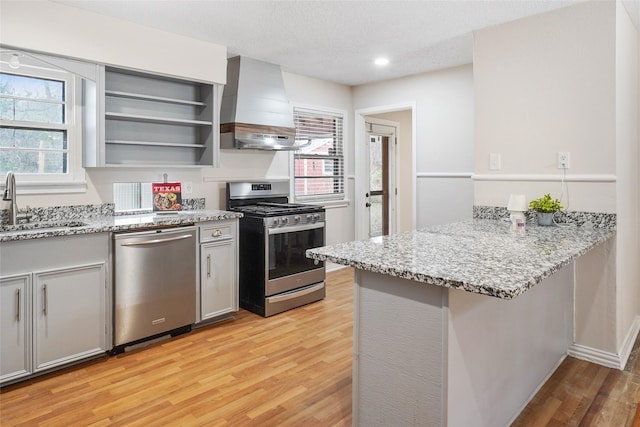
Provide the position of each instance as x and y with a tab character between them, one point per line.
155	284
255	112
275	274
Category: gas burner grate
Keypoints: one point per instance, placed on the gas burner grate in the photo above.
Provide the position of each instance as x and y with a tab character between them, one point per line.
270	209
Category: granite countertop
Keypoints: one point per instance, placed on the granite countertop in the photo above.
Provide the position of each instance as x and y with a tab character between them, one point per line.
480	256
110	223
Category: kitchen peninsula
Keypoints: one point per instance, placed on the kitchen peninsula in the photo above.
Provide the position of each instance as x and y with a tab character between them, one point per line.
458	325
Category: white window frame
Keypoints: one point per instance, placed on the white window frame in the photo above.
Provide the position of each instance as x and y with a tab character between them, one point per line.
337	198
74	181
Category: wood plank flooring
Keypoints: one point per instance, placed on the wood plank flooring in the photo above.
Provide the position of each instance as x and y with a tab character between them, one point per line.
293	369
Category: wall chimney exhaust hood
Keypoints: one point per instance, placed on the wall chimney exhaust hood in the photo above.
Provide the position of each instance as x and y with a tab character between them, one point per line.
255	111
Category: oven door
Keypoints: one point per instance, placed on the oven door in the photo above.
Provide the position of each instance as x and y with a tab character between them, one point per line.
286	264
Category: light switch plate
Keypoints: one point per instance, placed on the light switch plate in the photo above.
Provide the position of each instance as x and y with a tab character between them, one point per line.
495	161
187	187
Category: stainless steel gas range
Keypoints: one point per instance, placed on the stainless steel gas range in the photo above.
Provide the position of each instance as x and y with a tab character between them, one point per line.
275	274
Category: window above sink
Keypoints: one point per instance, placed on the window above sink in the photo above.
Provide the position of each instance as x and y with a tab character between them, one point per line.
41	118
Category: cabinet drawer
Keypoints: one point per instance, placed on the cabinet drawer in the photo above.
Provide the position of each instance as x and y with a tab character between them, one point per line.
222	231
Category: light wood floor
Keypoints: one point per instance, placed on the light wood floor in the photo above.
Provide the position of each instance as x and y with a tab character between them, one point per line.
580	393
293	369
287	370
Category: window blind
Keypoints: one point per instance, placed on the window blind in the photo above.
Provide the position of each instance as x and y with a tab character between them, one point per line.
319	164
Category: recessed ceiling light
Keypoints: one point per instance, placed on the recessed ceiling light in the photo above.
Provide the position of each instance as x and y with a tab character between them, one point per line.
381	61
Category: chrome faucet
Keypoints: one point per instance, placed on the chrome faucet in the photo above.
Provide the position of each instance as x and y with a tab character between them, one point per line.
10	195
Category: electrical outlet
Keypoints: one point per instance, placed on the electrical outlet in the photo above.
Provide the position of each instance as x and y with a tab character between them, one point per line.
187	187
494	161
563	160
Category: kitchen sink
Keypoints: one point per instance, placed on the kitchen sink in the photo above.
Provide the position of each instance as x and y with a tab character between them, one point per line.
42	225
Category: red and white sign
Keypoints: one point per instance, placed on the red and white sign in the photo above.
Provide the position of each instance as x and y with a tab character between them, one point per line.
167	196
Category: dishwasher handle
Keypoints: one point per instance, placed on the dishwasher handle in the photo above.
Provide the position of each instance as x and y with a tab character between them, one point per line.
155	241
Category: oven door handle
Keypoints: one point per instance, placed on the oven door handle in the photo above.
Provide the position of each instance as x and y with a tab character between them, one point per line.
295	294
295	228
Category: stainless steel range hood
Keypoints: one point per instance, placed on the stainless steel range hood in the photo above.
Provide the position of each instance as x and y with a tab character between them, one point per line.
255	111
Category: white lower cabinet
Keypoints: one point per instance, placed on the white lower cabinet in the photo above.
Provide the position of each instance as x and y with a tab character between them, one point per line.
15	326
218	269
218	290
69	315
53	312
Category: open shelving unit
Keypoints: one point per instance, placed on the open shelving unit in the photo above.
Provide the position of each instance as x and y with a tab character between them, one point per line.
152	120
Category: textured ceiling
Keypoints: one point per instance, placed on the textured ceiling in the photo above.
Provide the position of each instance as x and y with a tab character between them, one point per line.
332	40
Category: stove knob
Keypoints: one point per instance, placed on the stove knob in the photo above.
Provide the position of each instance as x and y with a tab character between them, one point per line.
316	217
276	222
285	220
309	218
296	219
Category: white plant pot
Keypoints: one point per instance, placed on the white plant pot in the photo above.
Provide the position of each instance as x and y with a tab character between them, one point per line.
545	218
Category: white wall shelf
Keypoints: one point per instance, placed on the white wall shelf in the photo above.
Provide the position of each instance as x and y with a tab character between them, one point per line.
151	98
156	144
145	119
152	119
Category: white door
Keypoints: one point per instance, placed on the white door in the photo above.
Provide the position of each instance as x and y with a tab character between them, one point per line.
380	188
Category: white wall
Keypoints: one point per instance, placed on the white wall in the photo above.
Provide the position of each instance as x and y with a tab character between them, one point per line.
566	81
546	84
67	31
595	303
444	137
627	133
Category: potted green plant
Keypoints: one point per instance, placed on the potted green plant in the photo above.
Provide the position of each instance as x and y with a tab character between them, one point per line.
545	207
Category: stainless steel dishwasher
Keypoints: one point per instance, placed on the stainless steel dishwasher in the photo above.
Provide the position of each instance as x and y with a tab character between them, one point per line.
154	284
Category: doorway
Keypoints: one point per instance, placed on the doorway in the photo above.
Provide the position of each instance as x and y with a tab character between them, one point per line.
401	173
380	200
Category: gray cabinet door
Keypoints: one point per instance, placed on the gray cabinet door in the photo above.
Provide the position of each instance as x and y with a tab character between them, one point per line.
69	314
15	339
219	283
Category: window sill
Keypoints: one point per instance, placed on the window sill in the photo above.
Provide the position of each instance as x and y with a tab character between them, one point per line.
51	187
328	204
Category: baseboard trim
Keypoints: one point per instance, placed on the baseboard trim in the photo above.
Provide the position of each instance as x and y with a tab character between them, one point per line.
629	341
593	355
605	358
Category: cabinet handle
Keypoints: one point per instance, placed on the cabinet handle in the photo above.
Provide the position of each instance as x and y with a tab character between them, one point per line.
208	265
154	241
18	314
216	233
44	299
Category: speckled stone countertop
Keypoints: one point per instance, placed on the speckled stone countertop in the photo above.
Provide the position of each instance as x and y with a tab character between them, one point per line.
110	223
480	256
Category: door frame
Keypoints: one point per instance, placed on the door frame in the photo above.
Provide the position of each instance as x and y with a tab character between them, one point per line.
361	167
392	178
